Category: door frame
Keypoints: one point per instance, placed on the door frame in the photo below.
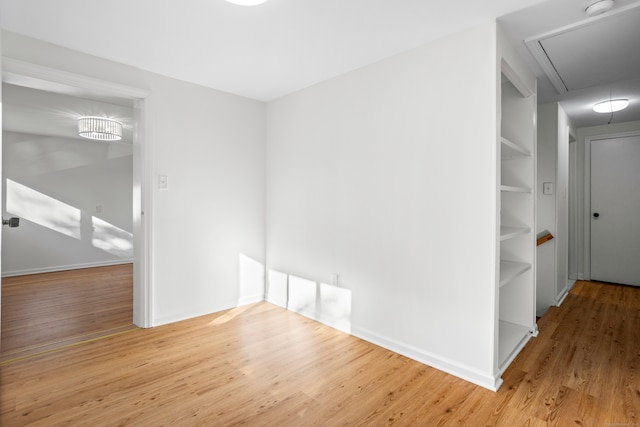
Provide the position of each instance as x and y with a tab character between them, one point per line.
40	77
586	214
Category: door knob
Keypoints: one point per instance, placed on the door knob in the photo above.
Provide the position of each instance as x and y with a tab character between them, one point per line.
11	222
596	214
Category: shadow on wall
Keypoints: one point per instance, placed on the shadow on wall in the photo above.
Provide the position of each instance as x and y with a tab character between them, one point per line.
48	212
325	303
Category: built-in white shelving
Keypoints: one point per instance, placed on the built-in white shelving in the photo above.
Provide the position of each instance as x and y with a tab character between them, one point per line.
509	270
512	338
516	276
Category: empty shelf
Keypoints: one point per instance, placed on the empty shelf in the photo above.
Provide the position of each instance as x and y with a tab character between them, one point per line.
511	232
509	270
512	150
514	189
512	338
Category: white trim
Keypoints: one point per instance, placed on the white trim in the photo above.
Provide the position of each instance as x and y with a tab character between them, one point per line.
515	79
459	370
543	60
564	294
252	299
142	217
587	192
573	209
65	267
53	80
21	73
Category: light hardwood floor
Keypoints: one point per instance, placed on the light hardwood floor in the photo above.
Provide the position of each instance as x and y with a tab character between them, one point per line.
261	365
50	310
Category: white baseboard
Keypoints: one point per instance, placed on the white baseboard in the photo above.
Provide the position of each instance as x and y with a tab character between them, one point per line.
205	311
179	317
65	267
450	367
251	299
456	369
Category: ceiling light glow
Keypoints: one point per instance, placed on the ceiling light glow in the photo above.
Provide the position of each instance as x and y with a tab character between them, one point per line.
247	2
611	106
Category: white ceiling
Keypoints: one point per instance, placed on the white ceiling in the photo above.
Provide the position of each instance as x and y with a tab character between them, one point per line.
261	52
282	46
37	112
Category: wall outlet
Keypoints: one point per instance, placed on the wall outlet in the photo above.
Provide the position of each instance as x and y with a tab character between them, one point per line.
547	188
98	208
334	279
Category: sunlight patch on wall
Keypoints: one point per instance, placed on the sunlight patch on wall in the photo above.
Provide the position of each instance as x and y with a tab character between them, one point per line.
277	292
302	296
251	280
335	307
43	210
328	304
111	239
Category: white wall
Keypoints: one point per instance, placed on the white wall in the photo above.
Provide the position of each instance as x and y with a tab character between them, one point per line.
78	178
386	176
552	210
210	144
546	205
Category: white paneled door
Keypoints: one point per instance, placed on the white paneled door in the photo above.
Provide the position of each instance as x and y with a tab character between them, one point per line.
615	210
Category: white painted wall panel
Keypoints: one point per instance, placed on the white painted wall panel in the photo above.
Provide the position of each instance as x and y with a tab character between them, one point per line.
546	206
387	177
74	198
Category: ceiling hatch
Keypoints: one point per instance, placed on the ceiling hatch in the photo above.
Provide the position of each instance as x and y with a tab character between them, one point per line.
592	53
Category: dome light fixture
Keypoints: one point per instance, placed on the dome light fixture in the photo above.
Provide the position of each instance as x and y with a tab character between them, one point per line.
99	128
247	2
599	7
611	106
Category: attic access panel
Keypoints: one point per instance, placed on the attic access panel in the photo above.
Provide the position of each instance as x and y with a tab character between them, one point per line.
595	53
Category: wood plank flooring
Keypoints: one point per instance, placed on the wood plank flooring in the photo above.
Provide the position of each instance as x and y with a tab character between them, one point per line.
49	310
262	365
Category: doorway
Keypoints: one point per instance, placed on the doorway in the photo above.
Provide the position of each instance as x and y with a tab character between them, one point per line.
35	77
615	203
72	198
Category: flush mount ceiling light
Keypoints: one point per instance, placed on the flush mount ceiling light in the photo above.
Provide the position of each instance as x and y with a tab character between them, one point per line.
247	2
611	106
598	7
99	128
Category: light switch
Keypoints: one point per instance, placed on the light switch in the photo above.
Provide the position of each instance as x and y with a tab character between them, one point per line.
162	182
547	188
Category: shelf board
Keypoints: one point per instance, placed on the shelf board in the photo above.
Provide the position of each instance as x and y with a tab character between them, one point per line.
512	338
509	270
514	189
511	232
512	150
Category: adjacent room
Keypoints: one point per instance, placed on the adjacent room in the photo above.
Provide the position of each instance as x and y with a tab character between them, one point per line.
73	197
274	212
